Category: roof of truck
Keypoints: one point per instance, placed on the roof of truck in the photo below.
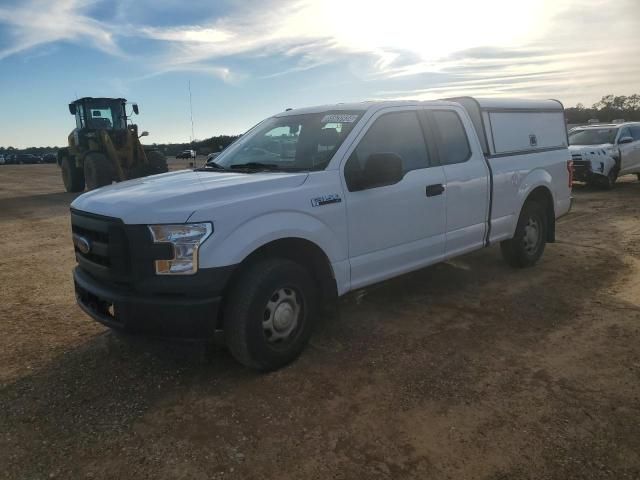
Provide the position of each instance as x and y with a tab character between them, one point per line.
517	103
483	103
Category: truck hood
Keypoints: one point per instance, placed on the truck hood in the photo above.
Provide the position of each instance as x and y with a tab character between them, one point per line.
173	197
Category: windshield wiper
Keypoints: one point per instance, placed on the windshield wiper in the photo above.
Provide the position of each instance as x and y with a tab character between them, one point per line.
210	166
255	166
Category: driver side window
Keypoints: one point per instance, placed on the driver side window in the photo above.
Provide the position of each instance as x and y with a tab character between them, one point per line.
397	133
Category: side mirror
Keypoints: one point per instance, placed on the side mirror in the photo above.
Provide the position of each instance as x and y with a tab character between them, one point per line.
143	134
136	110
72	108
625	140
380	169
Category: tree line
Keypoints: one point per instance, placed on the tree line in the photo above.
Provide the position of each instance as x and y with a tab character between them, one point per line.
609	108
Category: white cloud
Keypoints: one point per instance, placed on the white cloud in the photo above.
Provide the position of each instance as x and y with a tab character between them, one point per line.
40	22
492	46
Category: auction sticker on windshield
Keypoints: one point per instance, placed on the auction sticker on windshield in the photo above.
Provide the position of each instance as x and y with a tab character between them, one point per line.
339	118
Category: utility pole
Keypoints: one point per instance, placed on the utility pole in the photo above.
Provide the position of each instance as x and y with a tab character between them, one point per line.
193	137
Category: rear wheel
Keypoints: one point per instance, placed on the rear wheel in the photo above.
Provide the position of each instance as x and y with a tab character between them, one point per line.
98	170
157	162
72	176
270	314
638	175
527	245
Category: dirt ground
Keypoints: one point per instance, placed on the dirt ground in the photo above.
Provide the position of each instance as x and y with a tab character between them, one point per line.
466	370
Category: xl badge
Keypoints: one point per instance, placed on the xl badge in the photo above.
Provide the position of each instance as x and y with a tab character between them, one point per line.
81	243
325	200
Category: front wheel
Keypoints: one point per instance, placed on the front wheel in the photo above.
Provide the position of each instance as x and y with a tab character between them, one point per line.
527	245
270	314
98	170
72	176
609	181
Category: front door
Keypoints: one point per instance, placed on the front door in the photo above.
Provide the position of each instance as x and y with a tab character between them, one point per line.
400	227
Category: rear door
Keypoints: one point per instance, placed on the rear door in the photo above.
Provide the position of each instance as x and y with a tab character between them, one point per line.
395	228
467	179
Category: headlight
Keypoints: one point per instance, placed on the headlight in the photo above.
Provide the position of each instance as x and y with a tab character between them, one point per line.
185	240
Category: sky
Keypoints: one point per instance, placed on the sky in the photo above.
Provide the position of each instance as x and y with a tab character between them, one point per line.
246	60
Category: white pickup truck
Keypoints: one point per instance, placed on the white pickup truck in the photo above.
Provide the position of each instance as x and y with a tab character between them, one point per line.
313	203
602	152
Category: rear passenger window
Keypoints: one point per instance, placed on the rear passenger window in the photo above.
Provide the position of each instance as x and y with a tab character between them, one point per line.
454	144
635	132
397	132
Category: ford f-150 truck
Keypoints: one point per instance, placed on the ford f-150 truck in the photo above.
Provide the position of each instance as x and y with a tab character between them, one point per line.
311	204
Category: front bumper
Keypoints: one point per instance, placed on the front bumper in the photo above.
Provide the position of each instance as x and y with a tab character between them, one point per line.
162	315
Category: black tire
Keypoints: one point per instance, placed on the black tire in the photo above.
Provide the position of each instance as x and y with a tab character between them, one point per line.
609	181
157	162
522	250
98	170
72	176
267	288
638	176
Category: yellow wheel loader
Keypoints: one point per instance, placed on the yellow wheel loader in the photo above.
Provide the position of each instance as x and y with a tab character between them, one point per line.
105	147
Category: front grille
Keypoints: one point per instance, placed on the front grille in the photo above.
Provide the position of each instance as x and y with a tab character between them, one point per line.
108	254
576	157
105	309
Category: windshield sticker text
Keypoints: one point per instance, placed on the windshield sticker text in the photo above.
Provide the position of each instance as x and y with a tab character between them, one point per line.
339	118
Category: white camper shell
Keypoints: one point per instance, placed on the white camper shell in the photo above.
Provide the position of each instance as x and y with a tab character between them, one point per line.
510	127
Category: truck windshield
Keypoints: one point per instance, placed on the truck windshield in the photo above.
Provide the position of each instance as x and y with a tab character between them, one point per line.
592	136
291	143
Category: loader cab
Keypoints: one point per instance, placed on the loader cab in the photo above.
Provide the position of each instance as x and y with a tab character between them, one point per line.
100	113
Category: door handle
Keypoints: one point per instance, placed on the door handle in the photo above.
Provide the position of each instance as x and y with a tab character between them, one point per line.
434	190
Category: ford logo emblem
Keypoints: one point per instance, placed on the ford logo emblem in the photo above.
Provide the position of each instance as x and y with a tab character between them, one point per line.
82	244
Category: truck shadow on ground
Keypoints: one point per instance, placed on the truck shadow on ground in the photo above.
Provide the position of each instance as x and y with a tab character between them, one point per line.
36	206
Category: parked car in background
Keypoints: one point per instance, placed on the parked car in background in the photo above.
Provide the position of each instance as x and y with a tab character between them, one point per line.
312	204
187	154
2	160
49	158
9	158
603	152
27	158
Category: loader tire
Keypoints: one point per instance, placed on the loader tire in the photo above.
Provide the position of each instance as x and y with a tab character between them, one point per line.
72	176
98	170
157	162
